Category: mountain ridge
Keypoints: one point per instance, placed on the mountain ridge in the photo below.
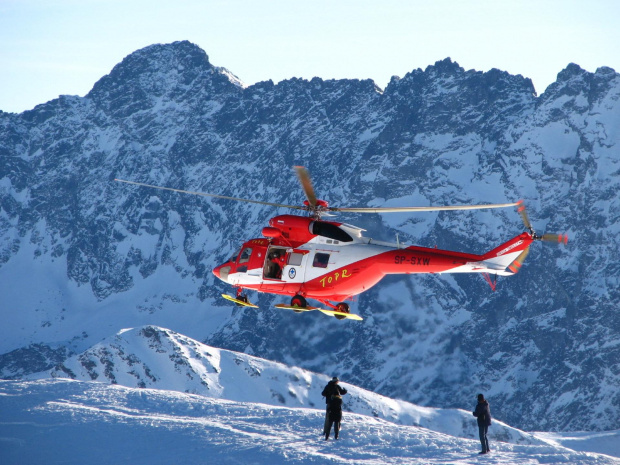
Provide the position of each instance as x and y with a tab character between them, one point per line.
80	253
151	357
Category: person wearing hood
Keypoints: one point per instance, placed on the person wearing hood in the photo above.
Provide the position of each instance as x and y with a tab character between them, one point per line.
334	413
483	414
332	388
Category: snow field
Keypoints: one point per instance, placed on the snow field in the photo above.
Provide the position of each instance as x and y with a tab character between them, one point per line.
77	422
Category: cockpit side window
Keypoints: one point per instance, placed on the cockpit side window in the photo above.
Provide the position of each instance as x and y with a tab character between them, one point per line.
245	255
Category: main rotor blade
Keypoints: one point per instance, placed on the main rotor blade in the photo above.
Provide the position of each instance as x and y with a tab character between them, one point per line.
420	209
306	183
296	207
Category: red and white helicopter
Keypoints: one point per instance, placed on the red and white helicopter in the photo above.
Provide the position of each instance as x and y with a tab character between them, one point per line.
306	257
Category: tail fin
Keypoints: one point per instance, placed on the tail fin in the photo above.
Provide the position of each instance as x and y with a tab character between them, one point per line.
509	255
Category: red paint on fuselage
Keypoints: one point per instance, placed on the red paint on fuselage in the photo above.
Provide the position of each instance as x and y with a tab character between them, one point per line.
356	275
295	230
350	280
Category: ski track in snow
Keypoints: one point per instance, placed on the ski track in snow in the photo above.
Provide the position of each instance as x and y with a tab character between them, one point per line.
77	422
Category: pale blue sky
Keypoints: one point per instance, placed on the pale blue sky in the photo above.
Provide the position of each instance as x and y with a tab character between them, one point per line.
54	47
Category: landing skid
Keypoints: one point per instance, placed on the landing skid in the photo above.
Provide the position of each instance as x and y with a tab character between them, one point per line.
341	315
295	308
334	313
243	303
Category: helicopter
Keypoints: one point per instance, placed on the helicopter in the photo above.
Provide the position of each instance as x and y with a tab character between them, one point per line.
308	257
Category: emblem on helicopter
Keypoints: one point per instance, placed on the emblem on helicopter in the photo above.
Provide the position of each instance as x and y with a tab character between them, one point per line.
321	254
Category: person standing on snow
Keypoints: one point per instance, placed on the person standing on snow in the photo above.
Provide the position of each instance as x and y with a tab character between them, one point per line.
331	389
334	414
483	414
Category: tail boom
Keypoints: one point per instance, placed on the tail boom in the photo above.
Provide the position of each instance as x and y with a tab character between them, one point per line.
501	261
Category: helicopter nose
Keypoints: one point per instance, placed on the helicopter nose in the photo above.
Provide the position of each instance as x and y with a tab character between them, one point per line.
222	272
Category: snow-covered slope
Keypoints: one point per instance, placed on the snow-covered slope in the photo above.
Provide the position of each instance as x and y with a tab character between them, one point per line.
77	422
81	256
152	357
180	401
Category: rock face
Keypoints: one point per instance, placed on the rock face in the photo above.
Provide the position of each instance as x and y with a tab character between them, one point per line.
82	256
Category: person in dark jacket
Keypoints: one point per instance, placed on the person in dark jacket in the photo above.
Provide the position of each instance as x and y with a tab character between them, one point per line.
334	414
483	414
332	388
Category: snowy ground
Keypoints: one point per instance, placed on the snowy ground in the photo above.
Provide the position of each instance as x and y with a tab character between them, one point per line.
82	422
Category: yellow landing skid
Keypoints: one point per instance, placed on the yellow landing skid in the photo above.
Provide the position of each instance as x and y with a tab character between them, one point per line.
334	313
239	302
350	316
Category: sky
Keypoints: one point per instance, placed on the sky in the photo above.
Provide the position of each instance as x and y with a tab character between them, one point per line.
62	47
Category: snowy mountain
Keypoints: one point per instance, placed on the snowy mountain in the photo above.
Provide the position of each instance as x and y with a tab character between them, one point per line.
157	358
81	256
236	409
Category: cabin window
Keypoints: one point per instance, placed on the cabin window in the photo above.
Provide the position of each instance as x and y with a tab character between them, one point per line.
294	259
320	260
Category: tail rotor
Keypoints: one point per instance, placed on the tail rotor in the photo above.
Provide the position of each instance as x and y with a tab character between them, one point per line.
523	212
548	237
515	266
558	238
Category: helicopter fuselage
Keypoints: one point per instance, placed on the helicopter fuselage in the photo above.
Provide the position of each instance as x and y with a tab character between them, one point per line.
327	260
306	257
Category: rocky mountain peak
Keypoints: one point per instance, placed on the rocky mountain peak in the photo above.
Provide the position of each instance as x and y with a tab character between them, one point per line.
461	101
143	65
574	81
571	71
162	70
446	77
444	67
